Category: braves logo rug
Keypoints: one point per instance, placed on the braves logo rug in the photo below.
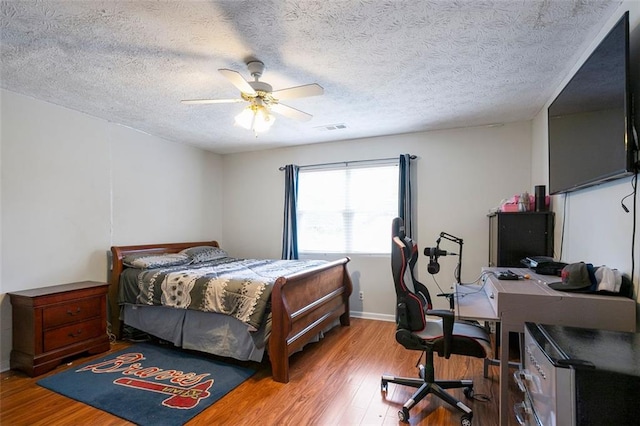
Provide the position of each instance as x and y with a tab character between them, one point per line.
149	384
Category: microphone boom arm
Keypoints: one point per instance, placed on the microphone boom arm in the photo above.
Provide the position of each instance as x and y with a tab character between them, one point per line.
451	238
458	241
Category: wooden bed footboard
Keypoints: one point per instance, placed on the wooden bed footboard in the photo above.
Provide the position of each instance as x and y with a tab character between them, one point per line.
302	305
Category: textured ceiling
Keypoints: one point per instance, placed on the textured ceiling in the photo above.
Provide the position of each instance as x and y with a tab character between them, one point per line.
387	66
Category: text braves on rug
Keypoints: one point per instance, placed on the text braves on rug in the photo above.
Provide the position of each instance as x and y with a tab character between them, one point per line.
149	384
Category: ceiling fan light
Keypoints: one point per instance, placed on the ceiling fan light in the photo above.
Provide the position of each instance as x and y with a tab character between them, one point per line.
245	118
263	120
256	118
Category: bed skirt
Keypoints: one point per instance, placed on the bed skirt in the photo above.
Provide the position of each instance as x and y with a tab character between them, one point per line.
209	332
194	330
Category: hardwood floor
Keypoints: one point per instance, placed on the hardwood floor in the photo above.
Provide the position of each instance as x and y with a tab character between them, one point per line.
334	382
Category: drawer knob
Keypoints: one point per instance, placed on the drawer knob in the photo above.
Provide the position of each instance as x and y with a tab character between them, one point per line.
76	334
70	312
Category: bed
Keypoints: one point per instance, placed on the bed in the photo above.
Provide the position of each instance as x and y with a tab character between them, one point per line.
300	306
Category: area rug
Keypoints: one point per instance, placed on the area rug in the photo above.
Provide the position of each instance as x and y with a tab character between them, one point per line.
149	384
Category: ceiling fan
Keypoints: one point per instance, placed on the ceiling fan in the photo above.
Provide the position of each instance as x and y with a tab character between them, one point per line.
262	99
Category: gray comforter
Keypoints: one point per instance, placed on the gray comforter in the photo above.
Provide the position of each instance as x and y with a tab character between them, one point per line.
240	288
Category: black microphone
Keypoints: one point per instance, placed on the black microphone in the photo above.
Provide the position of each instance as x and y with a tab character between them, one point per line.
435	252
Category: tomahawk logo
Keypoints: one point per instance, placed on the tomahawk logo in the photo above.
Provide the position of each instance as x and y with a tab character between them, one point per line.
185	389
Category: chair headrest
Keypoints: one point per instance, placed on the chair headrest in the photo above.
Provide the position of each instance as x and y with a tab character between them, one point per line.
397	228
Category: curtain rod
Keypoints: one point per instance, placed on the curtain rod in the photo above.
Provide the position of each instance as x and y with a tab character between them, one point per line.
412	157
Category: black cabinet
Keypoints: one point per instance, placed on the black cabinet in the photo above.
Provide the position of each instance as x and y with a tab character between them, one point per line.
514	236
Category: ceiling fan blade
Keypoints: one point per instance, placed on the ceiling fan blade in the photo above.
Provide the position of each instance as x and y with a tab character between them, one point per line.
210	101
290	112
299	92
238	80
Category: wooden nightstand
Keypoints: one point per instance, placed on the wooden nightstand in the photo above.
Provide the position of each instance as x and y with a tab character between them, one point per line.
53	323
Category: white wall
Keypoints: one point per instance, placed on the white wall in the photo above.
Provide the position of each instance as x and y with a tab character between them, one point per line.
461	174
597	230
163	191
73	185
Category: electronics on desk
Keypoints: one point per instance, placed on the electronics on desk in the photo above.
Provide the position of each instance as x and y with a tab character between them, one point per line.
508	275
543	265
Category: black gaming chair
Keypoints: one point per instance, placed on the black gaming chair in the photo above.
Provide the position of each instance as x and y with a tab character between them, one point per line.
415	331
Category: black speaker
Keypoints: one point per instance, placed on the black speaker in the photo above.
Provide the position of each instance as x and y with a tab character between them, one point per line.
541	205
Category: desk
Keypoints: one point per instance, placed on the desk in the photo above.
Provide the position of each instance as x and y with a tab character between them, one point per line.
513	303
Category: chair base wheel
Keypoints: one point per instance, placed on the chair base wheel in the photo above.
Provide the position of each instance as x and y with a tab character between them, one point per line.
468	392
465	420
403	415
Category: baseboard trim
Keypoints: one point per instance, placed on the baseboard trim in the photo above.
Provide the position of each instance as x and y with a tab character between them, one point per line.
373	316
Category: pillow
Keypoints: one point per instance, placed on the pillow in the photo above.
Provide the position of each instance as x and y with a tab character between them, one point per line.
204	253
149	260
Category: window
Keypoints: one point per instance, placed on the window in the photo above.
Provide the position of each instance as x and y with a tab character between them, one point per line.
347	208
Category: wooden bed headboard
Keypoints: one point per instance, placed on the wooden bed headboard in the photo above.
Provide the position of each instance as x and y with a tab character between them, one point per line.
117	255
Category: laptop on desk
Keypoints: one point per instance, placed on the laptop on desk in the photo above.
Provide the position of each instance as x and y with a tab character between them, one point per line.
543	265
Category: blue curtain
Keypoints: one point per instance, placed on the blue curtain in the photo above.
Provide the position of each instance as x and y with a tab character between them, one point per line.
404	194
290	227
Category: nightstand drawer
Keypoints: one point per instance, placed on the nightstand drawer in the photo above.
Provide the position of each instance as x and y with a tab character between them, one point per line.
74	333
76	310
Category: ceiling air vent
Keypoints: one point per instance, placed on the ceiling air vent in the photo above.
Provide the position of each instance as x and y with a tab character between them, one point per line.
332	127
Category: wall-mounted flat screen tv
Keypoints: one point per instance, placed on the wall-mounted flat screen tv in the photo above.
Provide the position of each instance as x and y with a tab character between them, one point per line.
590	122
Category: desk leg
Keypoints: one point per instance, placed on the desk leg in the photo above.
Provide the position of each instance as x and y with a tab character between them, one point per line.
504	375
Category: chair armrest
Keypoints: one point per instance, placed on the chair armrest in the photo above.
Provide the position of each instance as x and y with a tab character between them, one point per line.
448	319
449	297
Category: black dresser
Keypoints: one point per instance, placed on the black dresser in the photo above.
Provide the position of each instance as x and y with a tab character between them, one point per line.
514	236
